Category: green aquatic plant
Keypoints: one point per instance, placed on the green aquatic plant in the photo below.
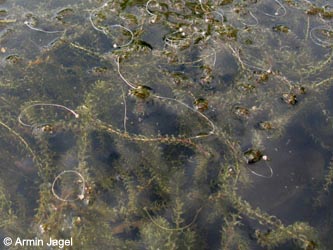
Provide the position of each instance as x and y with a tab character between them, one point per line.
7	213
298	231
146	124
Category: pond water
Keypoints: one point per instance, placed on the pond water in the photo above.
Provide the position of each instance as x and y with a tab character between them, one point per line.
166	124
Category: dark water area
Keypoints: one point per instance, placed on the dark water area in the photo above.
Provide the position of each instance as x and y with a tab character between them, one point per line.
166	124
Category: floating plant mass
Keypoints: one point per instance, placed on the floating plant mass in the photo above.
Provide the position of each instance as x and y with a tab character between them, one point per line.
253	156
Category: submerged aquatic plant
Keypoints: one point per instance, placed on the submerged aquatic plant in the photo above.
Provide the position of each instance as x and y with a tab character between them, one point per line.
129	123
